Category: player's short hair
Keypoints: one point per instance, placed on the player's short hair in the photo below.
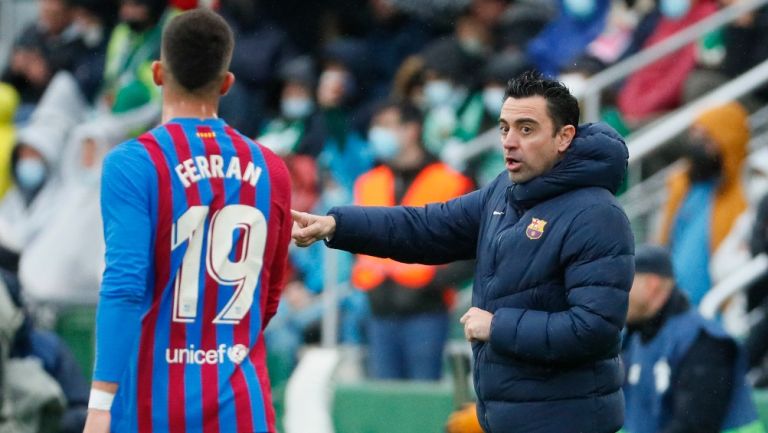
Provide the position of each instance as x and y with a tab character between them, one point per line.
562	107
197	48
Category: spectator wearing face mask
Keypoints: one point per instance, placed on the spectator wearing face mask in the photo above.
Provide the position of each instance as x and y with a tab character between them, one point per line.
707	196
566	37
737	248
500	69
345	154
409	302
30	204
453	111
286	134
133	45
262	49
658	87
94	21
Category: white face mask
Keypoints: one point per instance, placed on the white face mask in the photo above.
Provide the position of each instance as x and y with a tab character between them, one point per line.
296	107
757	188
579	8
30	173
473	46
384	143
674	9
438	93
493	99
91	35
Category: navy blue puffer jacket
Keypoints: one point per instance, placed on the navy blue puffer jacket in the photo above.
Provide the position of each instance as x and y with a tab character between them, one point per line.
554	266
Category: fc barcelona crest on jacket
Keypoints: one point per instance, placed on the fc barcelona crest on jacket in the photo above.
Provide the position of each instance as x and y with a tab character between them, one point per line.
535	228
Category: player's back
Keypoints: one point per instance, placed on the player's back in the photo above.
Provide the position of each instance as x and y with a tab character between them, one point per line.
221	224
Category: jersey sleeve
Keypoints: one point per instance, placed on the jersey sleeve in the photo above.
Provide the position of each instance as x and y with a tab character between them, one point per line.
281	215
125	198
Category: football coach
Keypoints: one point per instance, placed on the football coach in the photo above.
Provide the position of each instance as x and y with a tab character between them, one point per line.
554	255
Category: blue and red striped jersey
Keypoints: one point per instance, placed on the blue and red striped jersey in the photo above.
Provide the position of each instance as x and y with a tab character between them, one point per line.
197	225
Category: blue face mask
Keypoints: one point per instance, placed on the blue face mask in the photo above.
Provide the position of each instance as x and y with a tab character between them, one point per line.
296	108
30	173
384	143
493	99
438	93
674	9
579	8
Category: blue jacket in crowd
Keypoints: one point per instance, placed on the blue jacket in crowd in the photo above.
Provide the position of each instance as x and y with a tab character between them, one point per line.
554	266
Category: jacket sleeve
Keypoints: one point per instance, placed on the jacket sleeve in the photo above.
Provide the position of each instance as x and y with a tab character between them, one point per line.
597	257
433	234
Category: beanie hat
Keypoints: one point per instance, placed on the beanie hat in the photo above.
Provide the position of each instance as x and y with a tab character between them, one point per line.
653	259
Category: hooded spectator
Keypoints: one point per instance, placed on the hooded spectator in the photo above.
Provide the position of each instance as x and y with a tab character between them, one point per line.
30	204
706	197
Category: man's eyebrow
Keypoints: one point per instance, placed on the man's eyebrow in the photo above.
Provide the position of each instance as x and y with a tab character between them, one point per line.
526	120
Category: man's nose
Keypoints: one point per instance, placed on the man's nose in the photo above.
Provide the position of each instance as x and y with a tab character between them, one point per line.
510	141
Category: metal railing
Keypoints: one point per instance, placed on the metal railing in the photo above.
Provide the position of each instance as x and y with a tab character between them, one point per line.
646	197
600	81
644	141
735	283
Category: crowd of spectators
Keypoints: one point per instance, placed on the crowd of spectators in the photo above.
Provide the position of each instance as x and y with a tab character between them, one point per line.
311	81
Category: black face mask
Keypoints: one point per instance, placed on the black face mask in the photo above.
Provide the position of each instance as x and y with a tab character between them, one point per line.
704	165
137	26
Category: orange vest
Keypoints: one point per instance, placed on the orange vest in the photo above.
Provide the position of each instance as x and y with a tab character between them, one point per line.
435	183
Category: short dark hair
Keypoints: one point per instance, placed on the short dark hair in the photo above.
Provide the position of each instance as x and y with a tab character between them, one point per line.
197	48
562	107
409	113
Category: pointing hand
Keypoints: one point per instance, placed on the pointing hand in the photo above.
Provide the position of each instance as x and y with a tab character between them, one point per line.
308	228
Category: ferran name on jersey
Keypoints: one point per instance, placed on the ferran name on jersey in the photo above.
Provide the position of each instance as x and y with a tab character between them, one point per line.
198	168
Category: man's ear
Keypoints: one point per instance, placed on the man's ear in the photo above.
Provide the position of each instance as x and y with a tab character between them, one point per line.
157	72
229	81
566	134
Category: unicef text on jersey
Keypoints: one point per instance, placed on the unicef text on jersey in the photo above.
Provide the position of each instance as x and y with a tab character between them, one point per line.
236	354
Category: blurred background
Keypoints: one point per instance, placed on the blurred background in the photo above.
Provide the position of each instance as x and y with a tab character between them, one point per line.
338	88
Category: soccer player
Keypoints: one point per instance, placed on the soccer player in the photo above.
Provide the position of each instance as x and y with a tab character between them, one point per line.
197	225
